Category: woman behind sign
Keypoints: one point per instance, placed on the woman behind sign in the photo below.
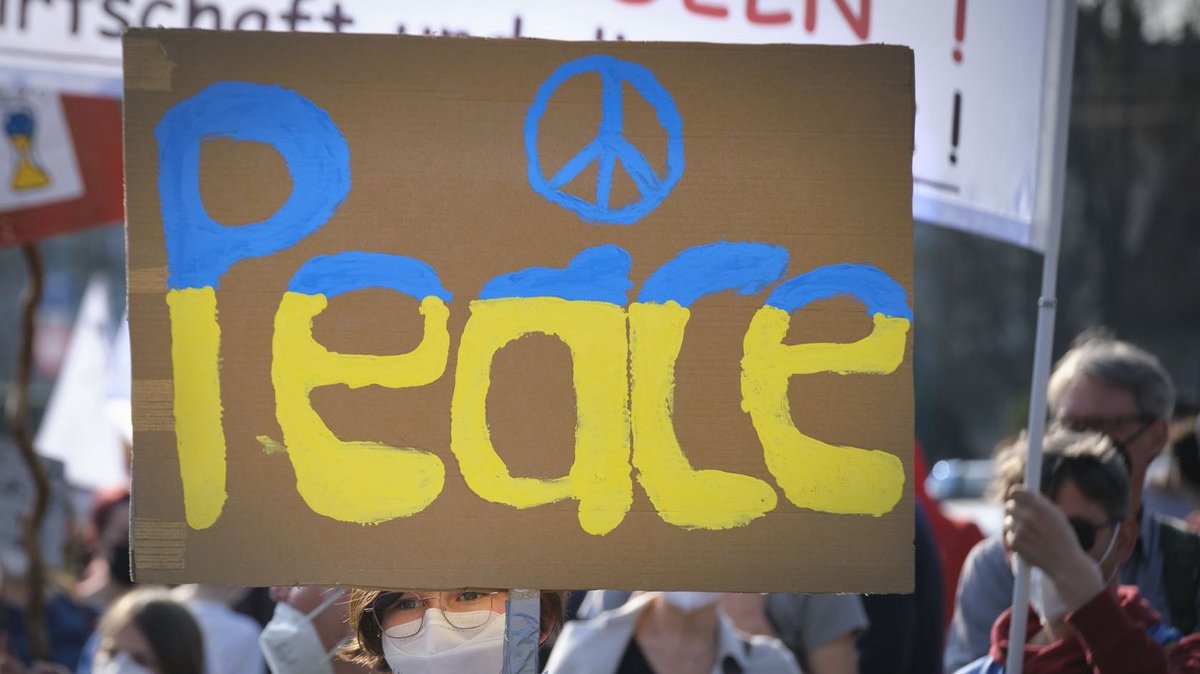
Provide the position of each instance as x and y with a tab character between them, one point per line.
419	631
659	632
149	632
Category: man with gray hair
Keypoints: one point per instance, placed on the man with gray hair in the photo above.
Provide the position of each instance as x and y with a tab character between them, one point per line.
1117	389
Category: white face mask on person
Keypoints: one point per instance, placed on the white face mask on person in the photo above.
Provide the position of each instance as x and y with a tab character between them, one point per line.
442	647
1047	601
691	601
121	663
290	643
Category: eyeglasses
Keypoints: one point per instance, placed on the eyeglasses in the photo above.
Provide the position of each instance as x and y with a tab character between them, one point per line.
1109	426
401	614
1106	425
1085	531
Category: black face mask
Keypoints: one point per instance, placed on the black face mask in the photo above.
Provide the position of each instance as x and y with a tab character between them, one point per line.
118	563
1187	453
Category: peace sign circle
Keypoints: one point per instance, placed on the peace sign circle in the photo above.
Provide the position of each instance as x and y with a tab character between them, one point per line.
609	146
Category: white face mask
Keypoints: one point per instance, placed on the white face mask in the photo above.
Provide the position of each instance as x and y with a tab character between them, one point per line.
290	642
1044	595
440	647
691	601
121	663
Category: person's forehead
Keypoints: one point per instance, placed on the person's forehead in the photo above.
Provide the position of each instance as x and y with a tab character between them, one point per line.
1088	397
1074	503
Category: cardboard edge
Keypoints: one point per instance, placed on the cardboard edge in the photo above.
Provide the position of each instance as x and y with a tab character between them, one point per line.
147	66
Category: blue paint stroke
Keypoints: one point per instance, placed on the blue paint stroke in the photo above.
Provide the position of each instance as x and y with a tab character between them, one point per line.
609	146
19	123
199	249
333	275
869	285
746	267
599	274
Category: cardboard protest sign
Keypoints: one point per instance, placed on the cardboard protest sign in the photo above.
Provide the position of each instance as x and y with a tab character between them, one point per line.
413	312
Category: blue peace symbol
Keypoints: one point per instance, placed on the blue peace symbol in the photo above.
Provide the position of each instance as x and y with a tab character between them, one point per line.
609	146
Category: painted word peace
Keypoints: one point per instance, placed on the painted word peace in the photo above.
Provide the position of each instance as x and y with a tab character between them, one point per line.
623	352
609	147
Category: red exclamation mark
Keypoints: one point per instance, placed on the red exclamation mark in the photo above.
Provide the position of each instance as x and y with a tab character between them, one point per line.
960	28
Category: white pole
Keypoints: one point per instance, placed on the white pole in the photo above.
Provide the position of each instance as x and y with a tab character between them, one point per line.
1052	169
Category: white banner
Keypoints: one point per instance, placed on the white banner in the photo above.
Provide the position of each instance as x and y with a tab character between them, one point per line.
76	428
978	64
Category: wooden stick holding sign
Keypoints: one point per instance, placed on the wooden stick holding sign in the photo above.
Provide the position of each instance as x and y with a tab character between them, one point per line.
17	407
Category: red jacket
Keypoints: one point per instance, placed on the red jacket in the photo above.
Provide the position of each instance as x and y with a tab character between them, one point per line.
1113	635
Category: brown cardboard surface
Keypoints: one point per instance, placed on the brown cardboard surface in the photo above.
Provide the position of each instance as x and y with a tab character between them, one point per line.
804	148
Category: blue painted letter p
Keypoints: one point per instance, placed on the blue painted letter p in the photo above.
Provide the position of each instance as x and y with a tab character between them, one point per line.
200	250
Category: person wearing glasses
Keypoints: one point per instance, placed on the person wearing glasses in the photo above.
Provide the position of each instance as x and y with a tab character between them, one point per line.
1074	532
1111	387
424	631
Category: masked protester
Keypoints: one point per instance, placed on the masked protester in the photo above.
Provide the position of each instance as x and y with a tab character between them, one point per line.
676	632
1107	386
308	628
426	631
1076	536
148	632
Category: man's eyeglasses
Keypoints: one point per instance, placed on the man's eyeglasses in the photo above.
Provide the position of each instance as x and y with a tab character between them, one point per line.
1085	531
1109	426
401	614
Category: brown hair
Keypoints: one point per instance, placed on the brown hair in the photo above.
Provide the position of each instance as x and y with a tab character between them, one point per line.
366	648
1090	460
166	623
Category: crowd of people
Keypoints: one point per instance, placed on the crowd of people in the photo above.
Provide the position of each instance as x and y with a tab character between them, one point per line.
1109	534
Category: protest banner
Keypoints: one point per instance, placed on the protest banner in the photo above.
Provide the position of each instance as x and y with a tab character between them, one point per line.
979	84
459	312
62	168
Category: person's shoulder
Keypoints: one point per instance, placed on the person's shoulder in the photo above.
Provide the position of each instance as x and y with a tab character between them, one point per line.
791	607
988	551
986	562
621	619
768	655
595	644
